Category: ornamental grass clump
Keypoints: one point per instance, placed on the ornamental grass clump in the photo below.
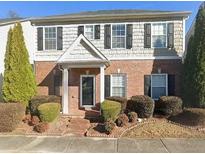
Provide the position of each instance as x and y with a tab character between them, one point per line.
122	120
109	126
11	115
132	117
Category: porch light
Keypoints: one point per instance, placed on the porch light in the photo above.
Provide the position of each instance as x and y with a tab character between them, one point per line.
87	72
159	70
118	70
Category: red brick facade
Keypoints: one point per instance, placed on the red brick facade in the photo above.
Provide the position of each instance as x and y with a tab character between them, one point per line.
135	70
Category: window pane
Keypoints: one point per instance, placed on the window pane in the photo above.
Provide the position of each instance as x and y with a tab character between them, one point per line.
118	85
50	38
158	92
159	41
159	34
89	31
118	36
158	81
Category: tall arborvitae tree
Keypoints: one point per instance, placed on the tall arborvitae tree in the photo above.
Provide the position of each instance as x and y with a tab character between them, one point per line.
19	82
188	75
199	43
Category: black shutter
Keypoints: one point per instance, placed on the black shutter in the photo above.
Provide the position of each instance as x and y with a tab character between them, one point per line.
40	38
147	35
107	86
60	38
97	31
129	36
170	35
107	37
147	85
171	85
80	30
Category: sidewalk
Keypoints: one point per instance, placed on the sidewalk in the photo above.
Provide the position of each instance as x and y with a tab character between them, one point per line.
83	144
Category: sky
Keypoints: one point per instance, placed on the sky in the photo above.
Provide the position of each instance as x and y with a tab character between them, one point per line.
40	8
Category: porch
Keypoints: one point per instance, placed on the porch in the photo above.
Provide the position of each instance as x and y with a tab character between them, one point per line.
82	67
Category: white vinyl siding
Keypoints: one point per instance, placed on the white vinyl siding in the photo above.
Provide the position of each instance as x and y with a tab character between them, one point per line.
118	36
158	85
50	38
118	85
159	35
89	32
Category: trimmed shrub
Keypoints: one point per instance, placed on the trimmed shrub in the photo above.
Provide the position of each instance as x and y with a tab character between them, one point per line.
41	127
132	116
142	105
169	105
38	100
11	115
109	126
122	120
121	100
48	112
110	110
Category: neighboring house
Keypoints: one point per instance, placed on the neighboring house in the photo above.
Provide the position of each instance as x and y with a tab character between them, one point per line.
89	56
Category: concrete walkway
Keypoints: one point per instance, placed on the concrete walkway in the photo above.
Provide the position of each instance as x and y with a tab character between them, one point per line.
83	144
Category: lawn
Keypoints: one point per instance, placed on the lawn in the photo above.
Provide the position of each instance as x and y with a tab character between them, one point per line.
162	128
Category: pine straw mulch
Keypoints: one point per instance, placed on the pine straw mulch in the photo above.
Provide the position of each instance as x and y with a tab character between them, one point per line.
188	124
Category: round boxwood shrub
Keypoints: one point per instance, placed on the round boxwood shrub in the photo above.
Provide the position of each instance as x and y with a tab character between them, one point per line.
132	116
141	104
48	112
38	100
121	100
11	115
169	105
110	110
109	126
122	120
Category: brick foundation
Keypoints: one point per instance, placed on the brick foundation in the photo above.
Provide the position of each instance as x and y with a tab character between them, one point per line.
135	70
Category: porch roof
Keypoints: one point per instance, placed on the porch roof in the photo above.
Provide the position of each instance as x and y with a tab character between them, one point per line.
82	52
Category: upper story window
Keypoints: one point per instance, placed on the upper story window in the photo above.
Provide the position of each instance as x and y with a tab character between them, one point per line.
118	36
159	35
50	38
89	31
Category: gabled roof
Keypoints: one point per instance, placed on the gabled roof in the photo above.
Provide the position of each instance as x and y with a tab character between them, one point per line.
94	55
107	14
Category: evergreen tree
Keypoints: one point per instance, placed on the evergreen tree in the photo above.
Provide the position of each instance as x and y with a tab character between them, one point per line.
199	57
188	75
19	82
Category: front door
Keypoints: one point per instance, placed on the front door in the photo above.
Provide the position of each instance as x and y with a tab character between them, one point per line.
87	84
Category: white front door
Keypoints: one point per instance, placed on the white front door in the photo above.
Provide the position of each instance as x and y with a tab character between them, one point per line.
87	90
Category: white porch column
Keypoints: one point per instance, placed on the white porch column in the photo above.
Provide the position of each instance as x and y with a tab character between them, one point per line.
65	91
102	81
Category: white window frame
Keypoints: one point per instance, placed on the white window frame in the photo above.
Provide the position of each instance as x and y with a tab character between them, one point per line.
111	85
152	35
160	74
125	34
94	91
93	31
45	39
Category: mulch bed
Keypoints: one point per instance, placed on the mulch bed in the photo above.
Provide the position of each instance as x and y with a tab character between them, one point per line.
62	126
161	128
194	117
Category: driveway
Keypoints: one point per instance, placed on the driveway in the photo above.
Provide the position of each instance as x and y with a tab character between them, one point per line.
84	144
